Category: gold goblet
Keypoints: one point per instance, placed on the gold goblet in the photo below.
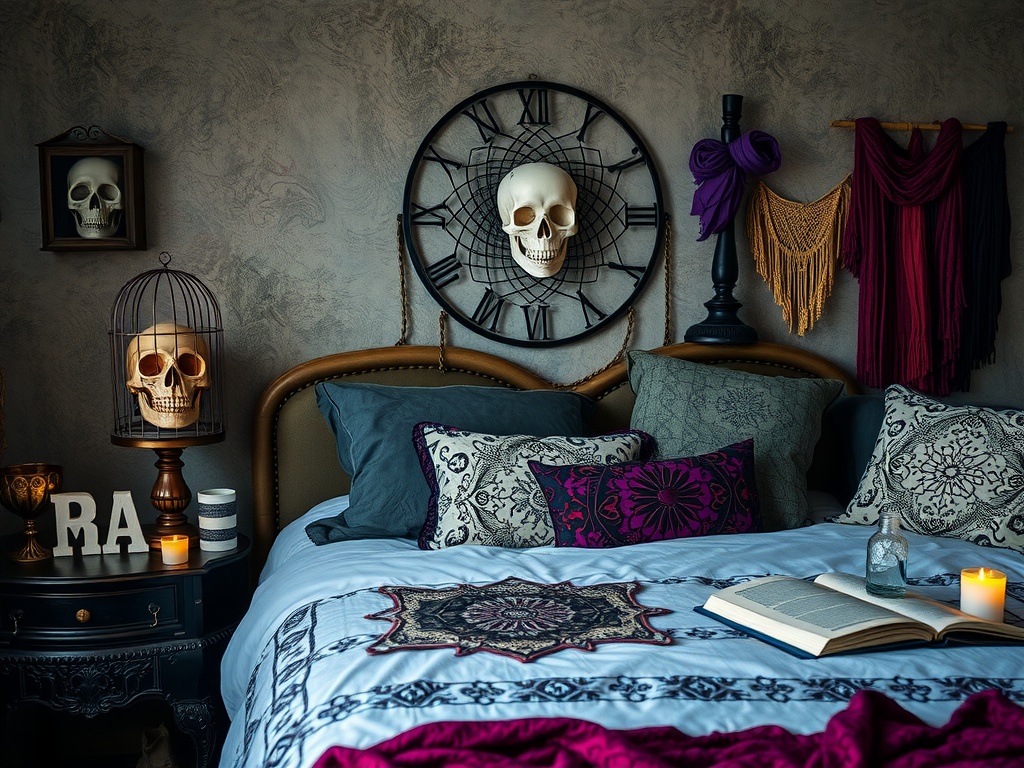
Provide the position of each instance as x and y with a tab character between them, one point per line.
25	490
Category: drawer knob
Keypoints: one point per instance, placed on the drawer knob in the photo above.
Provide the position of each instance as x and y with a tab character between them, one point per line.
83	615
154	609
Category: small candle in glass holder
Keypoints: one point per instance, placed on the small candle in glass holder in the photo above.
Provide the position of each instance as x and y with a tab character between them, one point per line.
174	549
983	593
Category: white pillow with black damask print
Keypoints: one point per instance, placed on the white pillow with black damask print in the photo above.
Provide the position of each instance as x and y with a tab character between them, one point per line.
949	470
483	492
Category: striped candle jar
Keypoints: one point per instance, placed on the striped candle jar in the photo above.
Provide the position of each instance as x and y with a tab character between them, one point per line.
218	521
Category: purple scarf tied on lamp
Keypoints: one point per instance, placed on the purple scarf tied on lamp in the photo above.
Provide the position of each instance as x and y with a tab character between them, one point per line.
720	169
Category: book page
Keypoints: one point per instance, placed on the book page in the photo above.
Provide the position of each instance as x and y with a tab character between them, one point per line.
811	617
825	609
936	615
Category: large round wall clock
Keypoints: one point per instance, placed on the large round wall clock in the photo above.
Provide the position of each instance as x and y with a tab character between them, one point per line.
533	213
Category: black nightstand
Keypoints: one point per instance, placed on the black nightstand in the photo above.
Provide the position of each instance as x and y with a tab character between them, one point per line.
89	635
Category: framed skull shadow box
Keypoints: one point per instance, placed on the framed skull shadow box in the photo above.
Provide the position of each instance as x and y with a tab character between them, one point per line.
91	192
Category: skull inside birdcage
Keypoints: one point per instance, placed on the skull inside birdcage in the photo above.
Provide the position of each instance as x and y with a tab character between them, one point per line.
167	358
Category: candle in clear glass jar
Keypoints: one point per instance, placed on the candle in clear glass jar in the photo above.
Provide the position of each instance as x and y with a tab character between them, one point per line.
174	549
983	592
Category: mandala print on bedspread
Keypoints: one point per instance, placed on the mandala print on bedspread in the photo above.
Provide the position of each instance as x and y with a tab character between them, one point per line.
516	618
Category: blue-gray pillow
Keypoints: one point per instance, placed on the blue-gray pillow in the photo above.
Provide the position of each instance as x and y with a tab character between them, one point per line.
692	408
373	426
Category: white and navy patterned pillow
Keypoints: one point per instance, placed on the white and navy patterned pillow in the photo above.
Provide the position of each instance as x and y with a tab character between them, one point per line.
481	487
949	470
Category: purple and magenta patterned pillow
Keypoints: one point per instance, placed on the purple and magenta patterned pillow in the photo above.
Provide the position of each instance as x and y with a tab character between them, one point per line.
482	491
611	505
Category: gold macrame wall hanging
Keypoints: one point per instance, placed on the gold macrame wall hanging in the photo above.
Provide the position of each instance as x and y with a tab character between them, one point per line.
796	247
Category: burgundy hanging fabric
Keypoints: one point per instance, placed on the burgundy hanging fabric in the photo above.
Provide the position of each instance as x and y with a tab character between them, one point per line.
911	274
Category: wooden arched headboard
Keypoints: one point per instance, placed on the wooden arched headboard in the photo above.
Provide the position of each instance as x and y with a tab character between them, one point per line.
294	458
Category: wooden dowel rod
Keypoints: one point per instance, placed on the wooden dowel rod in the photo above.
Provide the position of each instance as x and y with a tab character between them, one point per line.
911	126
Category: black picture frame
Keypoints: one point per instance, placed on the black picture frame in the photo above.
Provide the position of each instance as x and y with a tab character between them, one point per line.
61	230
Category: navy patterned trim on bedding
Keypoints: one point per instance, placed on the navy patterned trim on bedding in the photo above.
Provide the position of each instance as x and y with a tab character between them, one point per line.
293	652
429	693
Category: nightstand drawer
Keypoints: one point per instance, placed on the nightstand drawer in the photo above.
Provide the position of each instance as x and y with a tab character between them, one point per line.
91	636
129	614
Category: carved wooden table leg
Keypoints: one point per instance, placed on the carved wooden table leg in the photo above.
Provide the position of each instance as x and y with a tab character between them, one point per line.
196	719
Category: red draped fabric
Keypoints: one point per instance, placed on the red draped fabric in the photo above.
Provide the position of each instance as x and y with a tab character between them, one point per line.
872	732
911	274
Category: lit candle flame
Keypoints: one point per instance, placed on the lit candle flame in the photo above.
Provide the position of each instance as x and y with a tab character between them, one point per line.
983	593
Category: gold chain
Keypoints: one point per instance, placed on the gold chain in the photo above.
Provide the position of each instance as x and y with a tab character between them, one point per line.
668	282
630	324
630	315
618	356
441	325
402	338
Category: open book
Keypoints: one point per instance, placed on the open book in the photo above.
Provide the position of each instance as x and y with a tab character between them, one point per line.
835	614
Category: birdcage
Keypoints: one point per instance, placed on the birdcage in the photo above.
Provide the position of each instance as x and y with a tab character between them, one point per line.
167	380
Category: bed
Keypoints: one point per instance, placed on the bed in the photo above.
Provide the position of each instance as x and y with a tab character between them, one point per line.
298	680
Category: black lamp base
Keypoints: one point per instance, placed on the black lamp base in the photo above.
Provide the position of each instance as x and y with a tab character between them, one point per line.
709	333
722	325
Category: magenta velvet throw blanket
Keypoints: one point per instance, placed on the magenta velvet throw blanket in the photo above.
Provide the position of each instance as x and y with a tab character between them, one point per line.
872	732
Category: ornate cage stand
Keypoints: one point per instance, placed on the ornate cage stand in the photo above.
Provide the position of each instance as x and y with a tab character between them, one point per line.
187	315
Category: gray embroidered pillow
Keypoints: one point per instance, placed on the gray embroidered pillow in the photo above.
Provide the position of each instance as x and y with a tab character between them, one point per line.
483	492
692	408
949	470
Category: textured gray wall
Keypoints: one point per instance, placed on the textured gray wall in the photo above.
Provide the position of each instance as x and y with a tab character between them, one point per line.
278	134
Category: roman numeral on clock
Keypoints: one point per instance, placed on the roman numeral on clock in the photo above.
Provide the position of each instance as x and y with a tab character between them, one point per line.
641	215
591	115
480	114
428	216
635	158
536	321
633	271
445	271
587	305
489	309
535	106
435	157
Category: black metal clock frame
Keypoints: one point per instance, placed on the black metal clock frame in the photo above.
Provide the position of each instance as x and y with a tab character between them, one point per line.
453	232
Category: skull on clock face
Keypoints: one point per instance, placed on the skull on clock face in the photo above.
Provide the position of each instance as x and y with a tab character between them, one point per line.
537	204
94	196
167	372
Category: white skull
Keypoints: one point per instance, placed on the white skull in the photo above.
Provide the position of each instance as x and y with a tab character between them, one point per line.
94	196
167	371
537	203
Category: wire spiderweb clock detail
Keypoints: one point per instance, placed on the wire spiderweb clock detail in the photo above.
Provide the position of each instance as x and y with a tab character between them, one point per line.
601	210
452	226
